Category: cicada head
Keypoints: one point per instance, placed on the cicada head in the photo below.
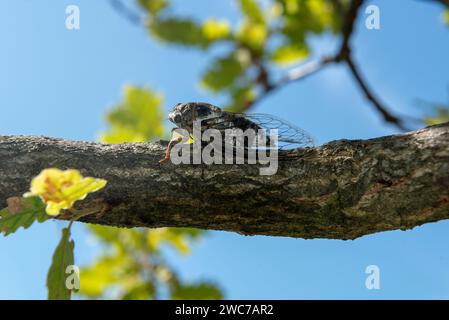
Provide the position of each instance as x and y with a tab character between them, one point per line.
184	114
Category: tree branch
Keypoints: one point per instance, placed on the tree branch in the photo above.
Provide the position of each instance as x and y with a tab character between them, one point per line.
345	54
338	6
379	107
341	190
292	75
130	15
443	2
348	27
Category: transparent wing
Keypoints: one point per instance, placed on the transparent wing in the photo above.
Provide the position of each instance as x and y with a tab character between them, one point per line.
289	135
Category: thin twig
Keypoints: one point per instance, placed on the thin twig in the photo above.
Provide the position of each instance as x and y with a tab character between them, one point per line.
345	54
126	12
348	27
292	75
387	115
305	70
443	2
338	6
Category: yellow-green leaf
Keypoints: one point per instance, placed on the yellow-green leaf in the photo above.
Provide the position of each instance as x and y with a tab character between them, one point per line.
289	54
105	272
222	73
179	31
153	6
119	135
156	237
441	116
137	119
303	17
216	29
119	237
56	277
252	10
201	291
254	35
21	212
142	291
240	97
124	272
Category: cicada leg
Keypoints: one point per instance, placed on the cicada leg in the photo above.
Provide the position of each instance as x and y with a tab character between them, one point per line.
172	142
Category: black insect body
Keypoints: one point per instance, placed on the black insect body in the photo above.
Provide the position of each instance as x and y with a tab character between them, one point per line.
185	114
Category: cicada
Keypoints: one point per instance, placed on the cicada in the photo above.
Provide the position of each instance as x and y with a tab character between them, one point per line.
185	114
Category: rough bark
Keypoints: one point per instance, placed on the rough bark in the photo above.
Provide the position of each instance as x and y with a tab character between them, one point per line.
341	190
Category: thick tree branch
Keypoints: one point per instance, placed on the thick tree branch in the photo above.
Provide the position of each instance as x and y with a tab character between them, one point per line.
341	190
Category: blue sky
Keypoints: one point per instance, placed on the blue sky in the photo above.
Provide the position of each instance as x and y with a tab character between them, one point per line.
59	83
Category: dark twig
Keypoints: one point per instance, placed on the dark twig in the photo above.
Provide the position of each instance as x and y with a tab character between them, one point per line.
306	70
126	12
338	6
443	2
387	115
345	54
348	28
293	75
312	67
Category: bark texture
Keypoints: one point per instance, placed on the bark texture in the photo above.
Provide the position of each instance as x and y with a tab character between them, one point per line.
341	190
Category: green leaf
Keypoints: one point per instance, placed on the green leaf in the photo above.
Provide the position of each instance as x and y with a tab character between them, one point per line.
303	17
124	271
216	29
222	73
446	16
21	212
141	291
289	54
132	266
179	31
201	291
137	119
240	97
178	238
105	272
119	237
192	233
56	277
441	116
252	10
253	35
153	6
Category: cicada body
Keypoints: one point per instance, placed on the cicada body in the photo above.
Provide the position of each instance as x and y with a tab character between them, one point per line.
185	115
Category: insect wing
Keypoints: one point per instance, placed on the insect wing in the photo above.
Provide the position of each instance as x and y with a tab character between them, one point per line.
289	135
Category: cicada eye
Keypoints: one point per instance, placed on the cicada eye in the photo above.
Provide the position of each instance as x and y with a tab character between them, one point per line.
187	114
177	118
